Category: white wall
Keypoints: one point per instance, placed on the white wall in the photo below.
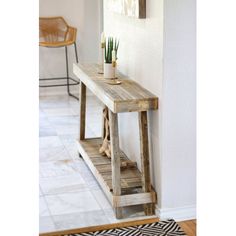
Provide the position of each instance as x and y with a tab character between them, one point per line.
159	53
179	106
140	57
85	15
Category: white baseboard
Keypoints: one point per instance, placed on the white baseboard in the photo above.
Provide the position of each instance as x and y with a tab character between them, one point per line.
178	213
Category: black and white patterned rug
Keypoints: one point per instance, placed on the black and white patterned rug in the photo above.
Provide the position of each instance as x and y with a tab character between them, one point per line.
162	228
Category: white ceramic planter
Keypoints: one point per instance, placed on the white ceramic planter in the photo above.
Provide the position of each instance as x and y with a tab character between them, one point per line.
109	71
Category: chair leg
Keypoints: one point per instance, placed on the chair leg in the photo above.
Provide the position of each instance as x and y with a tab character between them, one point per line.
76	54
67	72
67	76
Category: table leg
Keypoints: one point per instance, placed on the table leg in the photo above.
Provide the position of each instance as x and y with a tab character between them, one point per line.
82	116
145	171
103	123
115	159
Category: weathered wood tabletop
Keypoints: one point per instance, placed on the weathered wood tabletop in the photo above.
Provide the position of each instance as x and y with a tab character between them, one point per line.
129	96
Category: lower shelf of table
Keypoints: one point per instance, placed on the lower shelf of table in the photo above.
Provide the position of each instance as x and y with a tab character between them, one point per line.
100	166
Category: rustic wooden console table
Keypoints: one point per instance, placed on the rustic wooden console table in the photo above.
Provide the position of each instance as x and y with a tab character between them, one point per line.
123	187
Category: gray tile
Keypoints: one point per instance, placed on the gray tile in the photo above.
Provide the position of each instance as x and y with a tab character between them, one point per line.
63	184
79	220
76	110
43	121
67	130
94	118
43	208
67	125
40	192
87	175
47	131
58	168
101	199
72	149
89	133
90	179
41	114
97	131
60	101
68	139
70	143
129	213
46	224
44	104
110	215
57	98
94	100
49	142
64	111
64	121
68	203
53	154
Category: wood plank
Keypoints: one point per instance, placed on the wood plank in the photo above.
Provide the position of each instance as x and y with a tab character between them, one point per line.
133	106
144	152
103	124
82	113
134	199
125	173
95	172
129	96
132	182
115	159
126	183
189	227
130	178
98	160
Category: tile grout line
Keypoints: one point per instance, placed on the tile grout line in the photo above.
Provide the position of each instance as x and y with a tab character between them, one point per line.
50	213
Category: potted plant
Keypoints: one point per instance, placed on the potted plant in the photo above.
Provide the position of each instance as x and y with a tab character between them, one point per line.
111	48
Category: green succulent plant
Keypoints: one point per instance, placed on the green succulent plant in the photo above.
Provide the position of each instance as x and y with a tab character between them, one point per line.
111	44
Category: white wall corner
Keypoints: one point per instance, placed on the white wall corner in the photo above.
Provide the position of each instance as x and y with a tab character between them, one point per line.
178	213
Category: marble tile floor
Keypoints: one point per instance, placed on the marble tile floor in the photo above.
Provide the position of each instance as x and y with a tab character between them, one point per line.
69	195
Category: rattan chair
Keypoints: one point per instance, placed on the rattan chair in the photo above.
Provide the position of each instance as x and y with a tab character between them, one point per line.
54	32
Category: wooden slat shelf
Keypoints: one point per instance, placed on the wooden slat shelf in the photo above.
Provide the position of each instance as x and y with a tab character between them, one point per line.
131	183
130	178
